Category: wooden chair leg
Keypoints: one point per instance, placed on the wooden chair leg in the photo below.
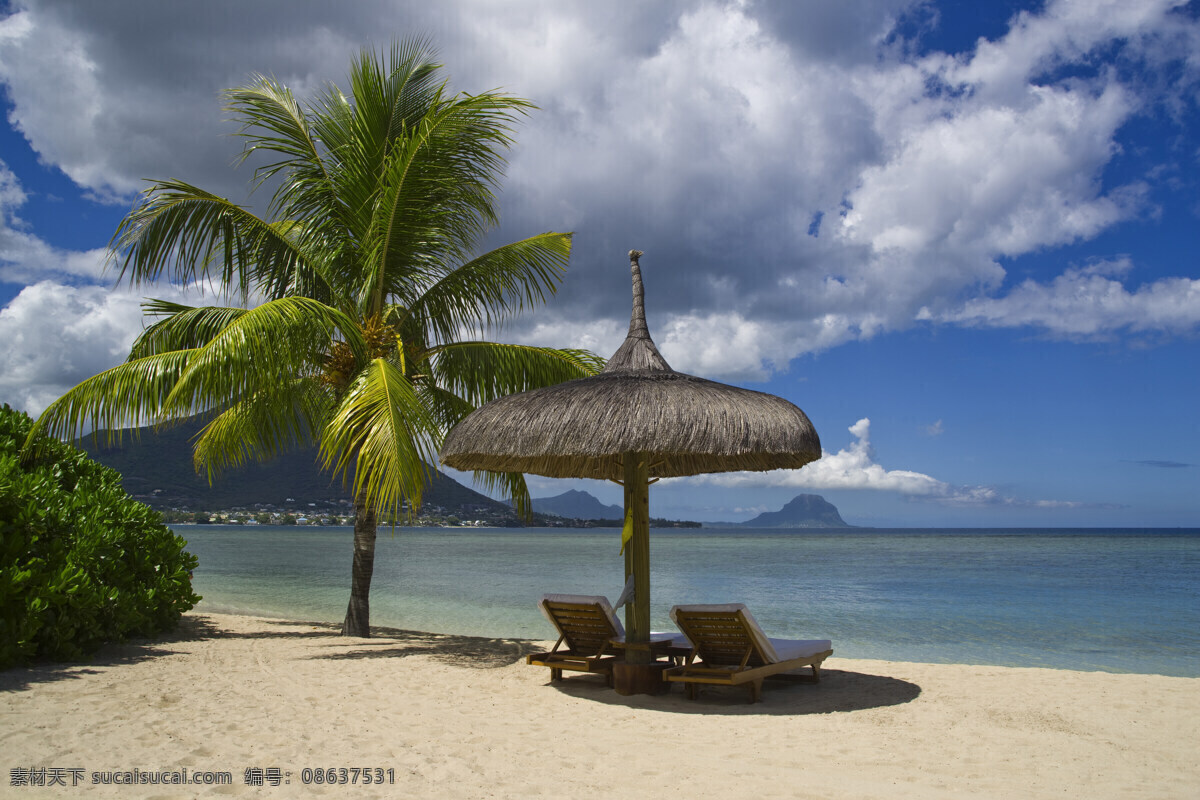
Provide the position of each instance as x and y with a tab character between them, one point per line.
755	690
555	674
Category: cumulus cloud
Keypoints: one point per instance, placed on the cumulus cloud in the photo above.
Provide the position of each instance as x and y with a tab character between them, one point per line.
797	178
855	468
24	257
1086	303
56	335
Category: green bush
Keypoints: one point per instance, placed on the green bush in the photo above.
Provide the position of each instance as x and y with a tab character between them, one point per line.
81	562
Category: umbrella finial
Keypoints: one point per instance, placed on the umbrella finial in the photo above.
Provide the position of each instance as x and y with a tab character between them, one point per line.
637	320
637	352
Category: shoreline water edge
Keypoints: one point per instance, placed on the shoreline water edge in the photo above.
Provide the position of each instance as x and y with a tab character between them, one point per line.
1112	601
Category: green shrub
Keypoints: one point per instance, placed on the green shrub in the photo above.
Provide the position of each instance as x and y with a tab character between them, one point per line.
81	562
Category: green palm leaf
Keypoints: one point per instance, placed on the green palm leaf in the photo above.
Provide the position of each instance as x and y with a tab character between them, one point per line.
483	371
262	426
185	327
495	286
260	351
128	395
382	432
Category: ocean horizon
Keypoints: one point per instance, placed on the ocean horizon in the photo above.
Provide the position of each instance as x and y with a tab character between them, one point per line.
1109	599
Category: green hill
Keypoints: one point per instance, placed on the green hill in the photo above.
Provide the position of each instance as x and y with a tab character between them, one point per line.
574	504
803	511
156	468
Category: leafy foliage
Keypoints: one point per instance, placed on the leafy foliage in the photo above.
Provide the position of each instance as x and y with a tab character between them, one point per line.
368	262
374	289
81	563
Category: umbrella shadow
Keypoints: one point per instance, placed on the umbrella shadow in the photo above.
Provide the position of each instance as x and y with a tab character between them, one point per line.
839	690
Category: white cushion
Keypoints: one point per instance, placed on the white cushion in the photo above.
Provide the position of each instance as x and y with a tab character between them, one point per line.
788	649
772	649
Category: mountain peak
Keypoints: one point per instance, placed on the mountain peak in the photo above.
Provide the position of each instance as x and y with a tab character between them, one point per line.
802	511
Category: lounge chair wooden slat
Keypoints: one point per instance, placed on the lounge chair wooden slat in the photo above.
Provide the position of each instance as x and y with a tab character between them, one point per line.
587	629
729	649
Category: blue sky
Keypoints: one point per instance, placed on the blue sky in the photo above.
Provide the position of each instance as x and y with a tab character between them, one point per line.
961	236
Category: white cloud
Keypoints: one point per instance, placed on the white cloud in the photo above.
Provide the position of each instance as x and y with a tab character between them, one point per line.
710	135
855	468
601	336
1086	303
57	335
52	79
991	179
25	258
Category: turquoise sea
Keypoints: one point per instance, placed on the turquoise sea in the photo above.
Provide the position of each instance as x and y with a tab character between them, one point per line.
1094	599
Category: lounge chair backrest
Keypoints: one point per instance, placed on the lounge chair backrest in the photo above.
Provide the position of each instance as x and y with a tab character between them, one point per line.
723	632
586	622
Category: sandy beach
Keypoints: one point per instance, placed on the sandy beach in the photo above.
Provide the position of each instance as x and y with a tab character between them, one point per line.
464	717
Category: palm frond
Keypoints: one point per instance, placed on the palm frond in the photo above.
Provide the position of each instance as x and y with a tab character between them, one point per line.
273	122
260	351
125	396
202	236
436	192
261	427
494	286
388	98
444	406
382	431
480	372
185	327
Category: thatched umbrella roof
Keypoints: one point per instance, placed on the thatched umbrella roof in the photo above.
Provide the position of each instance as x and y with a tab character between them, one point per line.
636	421
684	425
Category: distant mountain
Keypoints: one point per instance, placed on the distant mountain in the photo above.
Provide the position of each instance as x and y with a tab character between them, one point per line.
574	504
156	468
803	511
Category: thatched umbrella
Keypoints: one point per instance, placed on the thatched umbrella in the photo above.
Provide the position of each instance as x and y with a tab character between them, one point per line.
635	422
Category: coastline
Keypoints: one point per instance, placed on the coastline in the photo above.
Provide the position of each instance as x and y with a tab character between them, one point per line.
533	643
1111	602
466	715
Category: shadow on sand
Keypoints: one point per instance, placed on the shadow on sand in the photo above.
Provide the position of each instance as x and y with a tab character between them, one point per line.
839	690
477	652
467	651
115	654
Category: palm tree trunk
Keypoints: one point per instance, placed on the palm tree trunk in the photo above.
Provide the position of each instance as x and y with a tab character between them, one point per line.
358	613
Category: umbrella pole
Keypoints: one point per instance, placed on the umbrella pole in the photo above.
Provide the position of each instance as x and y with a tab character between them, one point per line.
637	554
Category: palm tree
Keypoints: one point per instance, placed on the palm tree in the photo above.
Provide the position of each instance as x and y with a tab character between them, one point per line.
373	300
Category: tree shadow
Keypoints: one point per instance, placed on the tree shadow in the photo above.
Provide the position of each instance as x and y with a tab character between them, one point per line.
473	652
466	651
838	690
137	649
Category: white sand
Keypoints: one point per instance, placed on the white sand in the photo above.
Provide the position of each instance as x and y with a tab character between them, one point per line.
456	717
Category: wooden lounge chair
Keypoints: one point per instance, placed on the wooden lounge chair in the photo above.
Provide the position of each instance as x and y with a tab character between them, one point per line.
729	649
591	634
